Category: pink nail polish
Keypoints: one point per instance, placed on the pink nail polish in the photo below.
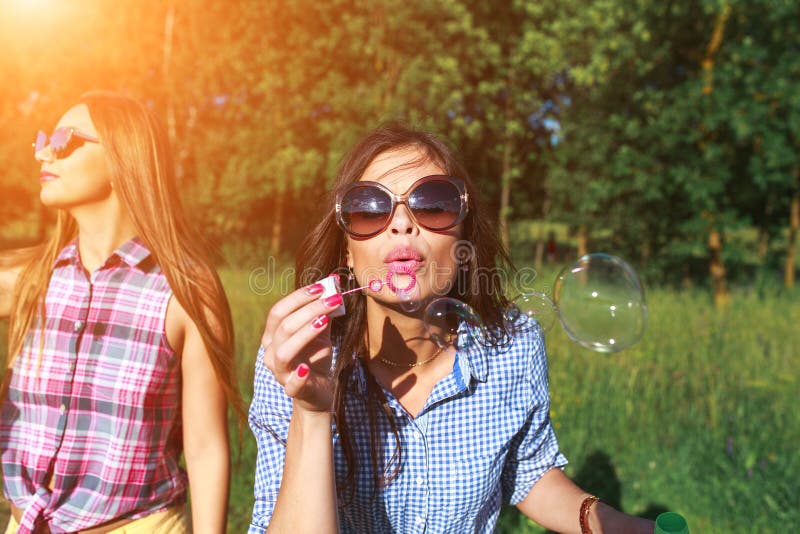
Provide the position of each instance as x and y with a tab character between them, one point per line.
333	300
302	370
319	321
315	289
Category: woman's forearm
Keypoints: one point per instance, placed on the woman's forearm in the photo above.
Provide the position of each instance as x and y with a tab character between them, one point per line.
307	497
555	503
209	481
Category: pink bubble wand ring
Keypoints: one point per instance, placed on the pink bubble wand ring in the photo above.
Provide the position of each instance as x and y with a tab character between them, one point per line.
375	285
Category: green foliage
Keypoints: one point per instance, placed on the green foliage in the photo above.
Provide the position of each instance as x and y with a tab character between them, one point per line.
660	148
599	114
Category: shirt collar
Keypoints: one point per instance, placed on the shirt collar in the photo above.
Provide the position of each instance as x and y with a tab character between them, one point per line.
132	252
68	254
472	362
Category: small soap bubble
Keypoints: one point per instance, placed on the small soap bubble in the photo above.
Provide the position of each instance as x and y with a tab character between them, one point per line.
410	301
375	285
601	303
532	306
452	322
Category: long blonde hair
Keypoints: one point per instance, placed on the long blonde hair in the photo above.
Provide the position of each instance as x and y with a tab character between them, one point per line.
143	176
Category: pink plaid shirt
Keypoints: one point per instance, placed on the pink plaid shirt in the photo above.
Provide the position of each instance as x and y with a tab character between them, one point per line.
100	409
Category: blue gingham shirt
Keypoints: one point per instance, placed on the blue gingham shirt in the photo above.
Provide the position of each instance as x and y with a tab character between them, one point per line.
482	439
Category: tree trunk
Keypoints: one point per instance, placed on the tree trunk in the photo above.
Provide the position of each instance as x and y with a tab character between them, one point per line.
169	25
716	265
717	268
645	254
505	180
583	241
794	223
537	262
713	45
763	246
277	225
505	195
540	244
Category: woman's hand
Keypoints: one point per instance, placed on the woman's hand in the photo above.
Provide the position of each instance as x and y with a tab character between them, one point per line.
297	346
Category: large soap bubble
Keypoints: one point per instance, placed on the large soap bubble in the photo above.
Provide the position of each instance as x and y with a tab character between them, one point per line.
601	303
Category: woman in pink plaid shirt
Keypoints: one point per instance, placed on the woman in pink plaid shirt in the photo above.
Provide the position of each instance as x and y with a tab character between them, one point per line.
120	342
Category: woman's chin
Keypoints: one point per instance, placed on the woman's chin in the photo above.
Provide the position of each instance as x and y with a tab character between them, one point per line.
49	197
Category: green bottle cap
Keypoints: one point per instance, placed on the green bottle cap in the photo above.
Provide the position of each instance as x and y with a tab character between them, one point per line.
671	523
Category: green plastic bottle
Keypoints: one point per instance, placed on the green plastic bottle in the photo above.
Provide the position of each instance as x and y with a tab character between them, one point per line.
671	523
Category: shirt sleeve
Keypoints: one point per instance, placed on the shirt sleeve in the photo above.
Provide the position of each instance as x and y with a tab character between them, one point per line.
534	449
269	417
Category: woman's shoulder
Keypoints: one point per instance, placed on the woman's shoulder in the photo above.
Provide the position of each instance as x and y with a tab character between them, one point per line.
522	347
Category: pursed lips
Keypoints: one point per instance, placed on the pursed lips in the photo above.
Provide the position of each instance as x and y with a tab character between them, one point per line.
403	259
47	176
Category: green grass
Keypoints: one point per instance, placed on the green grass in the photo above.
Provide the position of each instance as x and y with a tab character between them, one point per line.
700	417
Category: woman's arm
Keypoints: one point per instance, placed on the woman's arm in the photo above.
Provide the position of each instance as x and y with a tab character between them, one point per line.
205	426
307	496
555	502
297	351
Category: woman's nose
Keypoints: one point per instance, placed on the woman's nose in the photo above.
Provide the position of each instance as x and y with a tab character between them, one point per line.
402	221
45	155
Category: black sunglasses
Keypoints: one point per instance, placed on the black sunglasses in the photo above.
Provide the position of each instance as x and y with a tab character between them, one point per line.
62	141
437	202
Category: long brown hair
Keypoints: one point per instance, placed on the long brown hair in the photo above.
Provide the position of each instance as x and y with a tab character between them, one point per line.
143	176
324	251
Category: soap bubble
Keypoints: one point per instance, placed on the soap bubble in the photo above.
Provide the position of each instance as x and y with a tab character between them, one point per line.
375	285
601	303
452	322
410	300
533	305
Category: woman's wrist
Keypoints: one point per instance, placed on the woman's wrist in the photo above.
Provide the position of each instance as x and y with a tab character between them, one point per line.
603	519
310	415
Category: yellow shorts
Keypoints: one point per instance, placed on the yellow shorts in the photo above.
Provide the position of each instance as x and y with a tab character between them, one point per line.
174	520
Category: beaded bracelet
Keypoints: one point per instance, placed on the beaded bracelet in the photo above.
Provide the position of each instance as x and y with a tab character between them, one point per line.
586	506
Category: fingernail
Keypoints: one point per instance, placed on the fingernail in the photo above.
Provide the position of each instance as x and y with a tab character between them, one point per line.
336	275
302	370
315	289
320	321
333	300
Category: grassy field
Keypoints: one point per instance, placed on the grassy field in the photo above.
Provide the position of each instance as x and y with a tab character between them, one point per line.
700	417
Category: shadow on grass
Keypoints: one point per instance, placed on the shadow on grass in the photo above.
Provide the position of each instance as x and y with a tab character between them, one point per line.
597	476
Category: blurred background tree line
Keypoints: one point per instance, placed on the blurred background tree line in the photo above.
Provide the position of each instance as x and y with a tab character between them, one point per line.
665	132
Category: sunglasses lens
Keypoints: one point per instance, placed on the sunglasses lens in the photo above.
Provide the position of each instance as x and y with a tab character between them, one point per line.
59	139
41	141
436	204
365	210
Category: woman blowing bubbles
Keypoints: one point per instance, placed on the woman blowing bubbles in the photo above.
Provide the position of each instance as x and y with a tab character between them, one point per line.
424	440
120	342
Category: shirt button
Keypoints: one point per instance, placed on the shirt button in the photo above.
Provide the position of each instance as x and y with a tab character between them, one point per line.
420	481
77	327
62	409
420	519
